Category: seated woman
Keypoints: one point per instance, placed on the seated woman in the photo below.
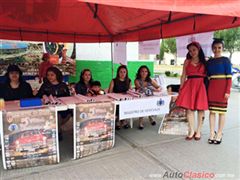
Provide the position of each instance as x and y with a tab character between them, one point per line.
144	84
84	83
121	84
14	87
55	86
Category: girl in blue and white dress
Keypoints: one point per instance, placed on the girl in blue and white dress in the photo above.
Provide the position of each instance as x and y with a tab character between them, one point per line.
143	83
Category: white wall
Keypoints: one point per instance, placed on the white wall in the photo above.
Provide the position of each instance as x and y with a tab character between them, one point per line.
102	51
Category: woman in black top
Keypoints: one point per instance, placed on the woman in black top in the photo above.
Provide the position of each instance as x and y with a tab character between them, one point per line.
15	88
54	84
83	85
121	84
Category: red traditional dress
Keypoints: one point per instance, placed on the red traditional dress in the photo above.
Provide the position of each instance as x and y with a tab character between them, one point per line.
219	71
193	93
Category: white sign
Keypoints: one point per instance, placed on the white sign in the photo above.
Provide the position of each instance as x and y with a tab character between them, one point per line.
149	47
120	53
144	107
205	40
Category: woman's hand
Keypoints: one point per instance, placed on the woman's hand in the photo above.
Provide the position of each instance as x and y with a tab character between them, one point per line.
227	95
35	91
158	89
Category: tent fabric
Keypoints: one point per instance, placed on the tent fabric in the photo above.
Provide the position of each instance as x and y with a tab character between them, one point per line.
112	20
213	7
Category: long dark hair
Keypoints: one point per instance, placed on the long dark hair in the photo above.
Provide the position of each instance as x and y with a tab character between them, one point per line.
138	75
56	71
118	70
201	55
13	68
81	76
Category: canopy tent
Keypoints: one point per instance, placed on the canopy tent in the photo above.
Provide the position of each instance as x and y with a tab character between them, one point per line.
113	20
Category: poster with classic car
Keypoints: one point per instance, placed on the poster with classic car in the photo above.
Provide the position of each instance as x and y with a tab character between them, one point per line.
29	138
94	128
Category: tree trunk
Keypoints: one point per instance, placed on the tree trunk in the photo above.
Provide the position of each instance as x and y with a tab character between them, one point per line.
175	58
230	56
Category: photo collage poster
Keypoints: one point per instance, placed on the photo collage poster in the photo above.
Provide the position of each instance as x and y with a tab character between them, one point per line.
175	123
29	138
95	128
28	56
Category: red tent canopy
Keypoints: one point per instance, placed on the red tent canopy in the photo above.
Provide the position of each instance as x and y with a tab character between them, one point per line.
113	20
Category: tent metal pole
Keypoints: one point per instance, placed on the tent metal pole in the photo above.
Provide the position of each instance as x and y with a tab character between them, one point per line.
112	58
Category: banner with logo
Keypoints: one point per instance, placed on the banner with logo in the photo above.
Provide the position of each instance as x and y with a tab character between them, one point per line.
120	53
94	128
144	107
28	56
149	47
205	40
29	138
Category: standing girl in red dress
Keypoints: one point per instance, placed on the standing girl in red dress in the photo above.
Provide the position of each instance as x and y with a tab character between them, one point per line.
192	95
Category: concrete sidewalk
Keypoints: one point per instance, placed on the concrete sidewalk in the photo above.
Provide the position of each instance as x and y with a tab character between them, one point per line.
147	155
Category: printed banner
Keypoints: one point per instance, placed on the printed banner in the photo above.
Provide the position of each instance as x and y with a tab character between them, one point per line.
144	107
174	127
175	123
149	47
95	128
28	56
29	138
120	53
205	40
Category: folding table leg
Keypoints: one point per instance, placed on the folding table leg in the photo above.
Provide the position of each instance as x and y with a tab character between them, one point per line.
131	122
160	126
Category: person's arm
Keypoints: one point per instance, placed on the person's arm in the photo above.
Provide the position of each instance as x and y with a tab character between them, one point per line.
40	72
80	89
28	91
110	89
183	76
62	90
228	72
130	84
67	92
40	92
137	84
156	86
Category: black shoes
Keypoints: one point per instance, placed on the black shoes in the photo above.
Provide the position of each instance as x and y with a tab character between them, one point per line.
153	123
126	126
215	140
141	127
122	124
117	127
218	141
211	141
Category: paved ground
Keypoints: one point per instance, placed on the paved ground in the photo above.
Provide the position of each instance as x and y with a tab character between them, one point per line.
147	155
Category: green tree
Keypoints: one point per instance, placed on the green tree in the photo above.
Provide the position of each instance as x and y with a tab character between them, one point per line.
170	47
160	56
231	39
